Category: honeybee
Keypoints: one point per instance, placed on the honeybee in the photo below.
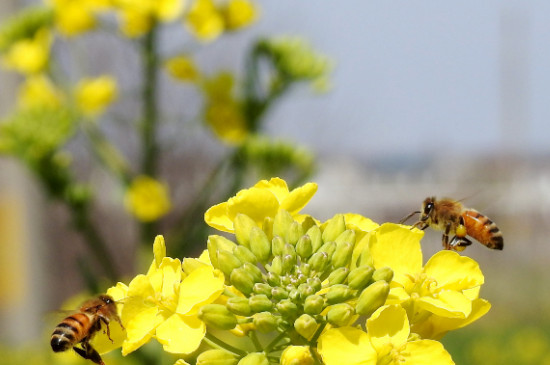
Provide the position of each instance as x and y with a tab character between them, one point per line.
451	217
79	328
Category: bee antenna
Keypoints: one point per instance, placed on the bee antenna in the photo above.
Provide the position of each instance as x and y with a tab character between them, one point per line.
407	217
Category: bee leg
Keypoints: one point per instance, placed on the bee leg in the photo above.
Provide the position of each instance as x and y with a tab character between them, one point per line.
89	353
106	330
445	238
460	243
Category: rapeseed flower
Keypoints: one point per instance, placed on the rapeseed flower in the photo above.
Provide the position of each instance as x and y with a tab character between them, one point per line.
74	17
39	91
139	16
29	55
263	200
93	96
147	199
182	68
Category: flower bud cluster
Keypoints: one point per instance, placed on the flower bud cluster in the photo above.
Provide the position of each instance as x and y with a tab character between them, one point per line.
293	275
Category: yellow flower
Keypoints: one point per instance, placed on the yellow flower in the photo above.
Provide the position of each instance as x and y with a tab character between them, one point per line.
440	296
147	199
138	16
264	199
39	91
182	68
73	18
29	56
164	303
297	355
93	96
204	20
239	14
385	342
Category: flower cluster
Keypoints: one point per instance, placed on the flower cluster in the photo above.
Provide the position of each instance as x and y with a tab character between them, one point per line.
289	289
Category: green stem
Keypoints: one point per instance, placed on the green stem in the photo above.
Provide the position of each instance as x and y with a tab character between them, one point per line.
217	343
254	337
275	341
150	117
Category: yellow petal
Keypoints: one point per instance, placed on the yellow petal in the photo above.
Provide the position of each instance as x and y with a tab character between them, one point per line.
103	344
448	303
118	292
346	345
140	328
389	325
276	185
200	287
398	247
453	271
298	198
359	223
397	295
181	362
217	217
425	352
254	202
171	278
181	334
159	249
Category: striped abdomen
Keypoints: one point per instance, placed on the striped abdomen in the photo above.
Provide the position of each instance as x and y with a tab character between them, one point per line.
482	229
71	331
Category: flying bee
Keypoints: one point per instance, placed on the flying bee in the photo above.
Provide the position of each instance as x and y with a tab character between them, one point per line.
78	328
451	217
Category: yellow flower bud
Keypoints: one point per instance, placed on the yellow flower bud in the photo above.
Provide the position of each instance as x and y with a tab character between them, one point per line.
297	355
304	248
227	262
340	314
338	293
318	261
260	303
243	225
281	223
216	357
265	322
239	306
329	248
244	254
338	276
294	233
254	358
335	227
372	298
259	244
277	245
314	304
383	273
359	277
346	236
254	271
314	233
276	266
342	254
306	326
287	308
217	316
262	288
216	243
242	280
279	293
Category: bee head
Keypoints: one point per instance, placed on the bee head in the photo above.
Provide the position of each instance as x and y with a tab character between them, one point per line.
427	208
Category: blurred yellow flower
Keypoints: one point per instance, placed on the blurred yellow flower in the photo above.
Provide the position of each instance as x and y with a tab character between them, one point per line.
182	68
29	56
265	199
204	20
164	303
385	342
73	17
239	14
39	91
297	355
94	95
138	16
147	199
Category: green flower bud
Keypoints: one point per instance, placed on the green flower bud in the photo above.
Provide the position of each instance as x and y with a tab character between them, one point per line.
340	314
294	295
306	326
305	290
216	243
305	268
315	283
276	266
383	273
273	279
279	293
338	276
339	293
260	303
289	262
239	306
281	224
335	226
265	322
242	280
318	261
314	233
287	308
346	236
216	357
329	248
342	254
288	249
259	244
294	233
253	270
314	304
262	288
303	247
228	262
254	358
372	298
217	316
307	223
267	227
359	277
244	254
243	225
277	245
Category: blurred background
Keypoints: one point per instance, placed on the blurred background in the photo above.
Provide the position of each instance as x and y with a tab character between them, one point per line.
425	98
